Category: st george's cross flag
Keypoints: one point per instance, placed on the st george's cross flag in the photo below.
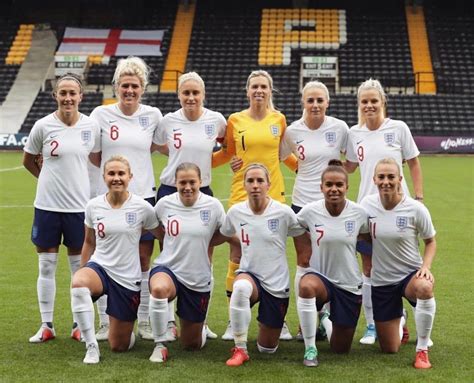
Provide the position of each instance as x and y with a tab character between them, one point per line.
111	42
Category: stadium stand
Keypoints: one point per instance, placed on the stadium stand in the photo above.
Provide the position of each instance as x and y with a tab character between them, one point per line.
226	45
8	72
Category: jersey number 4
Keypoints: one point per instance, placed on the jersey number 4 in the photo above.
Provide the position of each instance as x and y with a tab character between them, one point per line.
244	237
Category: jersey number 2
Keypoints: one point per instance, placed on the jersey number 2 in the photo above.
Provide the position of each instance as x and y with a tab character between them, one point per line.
54	146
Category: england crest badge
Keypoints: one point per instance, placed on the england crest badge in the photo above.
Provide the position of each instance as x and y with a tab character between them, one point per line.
275	130
210	130
331	138
350	227
131	218
205	216
389	138
86	136
144	121
401	222
273	225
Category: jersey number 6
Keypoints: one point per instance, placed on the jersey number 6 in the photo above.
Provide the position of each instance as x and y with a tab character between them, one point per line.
114	132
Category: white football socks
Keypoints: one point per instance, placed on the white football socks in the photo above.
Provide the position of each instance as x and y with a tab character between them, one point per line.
367	299
159	318
101	304
308	316
240	314
144	298
83	310
424	318
46	284
74	265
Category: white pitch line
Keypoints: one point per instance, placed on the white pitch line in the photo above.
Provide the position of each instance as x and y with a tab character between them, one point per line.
15	206
11	169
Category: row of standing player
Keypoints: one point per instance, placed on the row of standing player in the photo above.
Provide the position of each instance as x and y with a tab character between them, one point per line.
264	128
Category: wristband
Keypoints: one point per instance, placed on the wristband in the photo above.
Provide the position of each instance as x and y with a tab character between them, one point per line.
418	198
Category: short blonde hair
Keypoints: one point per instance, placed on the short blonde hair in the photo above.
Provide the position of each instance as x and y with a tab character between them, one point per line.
118	158
132	66
387	161
262	73
377	86
315	85
191	76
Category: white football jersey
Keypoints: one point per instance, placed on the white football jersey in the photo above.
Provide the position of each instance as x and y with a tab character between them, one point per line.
63	183
129	136
365	147
189	141
395	232
188	231
333	242
263	242
314	149
117	236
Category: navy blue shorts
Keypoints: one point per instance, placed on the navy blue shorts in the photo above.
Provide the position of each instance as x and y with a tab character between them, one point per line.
345	306
271	309
295	208
364	247
122	303
387	300
165	190
192	305
147	236
50	226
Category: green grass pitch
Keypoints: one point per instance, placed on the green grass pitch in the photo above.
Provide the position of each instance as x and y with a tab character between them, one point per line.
449	196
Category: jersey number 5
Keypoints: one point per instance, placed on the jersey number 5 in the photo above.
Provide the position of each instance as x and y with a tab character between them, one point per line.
177	140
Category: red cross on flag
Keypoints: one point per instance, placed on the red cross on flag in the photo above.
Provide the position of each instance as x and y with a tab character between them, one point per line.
111	42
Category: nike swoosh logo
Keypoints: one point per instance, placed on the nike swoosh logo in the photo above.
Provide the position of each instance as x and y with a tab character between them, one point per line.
99	218
171	215
372	217
358	142
241	131
318	225
53	136
243	224
299	142
111	121
176	130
